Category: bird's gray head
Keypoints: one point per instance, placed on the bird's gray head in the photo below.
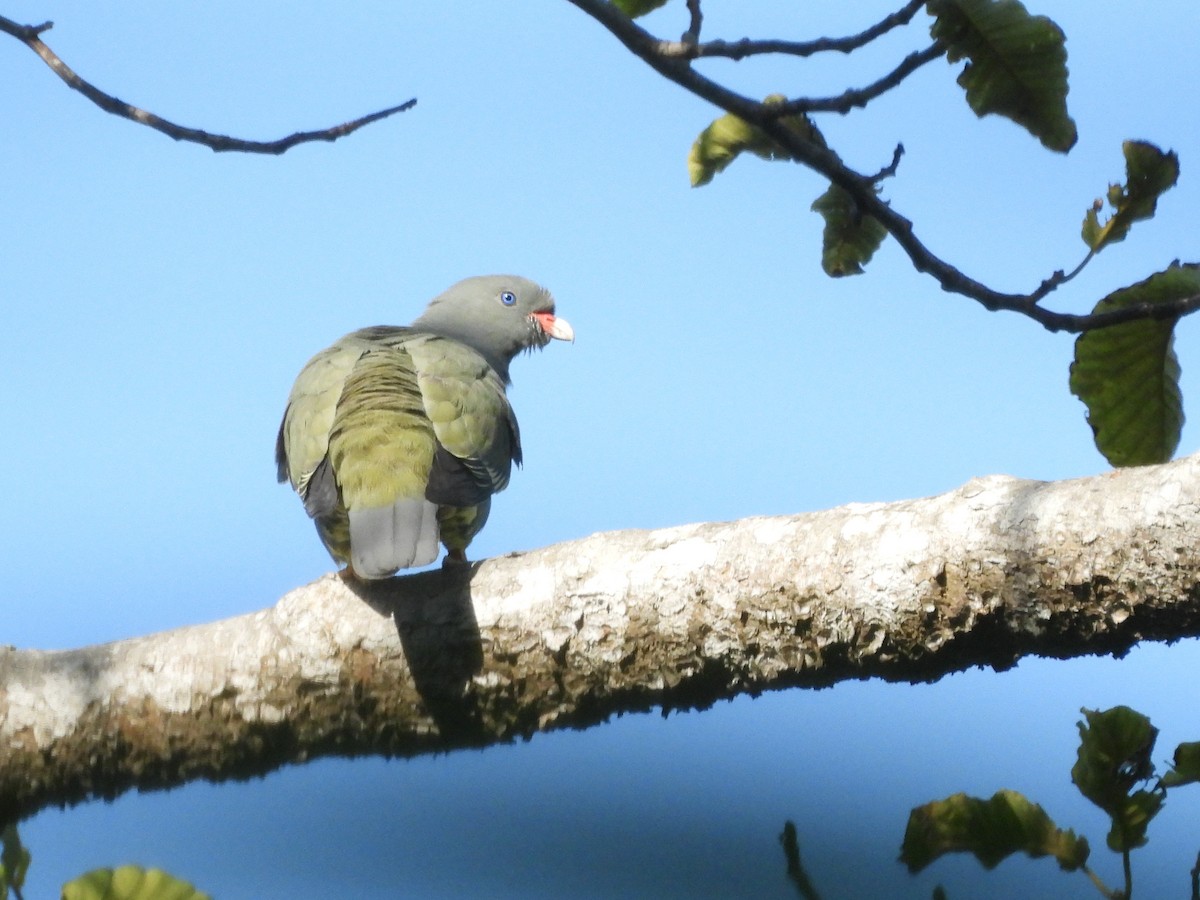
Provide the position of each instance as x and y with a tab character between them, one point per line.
496	315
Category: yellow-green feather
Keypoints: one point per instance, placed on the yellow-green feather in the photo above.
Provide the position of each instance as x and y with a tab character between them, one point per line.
460	524
312	406
465	401
334	531
381	444
377	403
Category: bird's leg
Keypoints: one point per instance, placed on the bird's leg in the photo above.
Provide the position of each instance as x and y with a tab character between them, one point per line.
454	557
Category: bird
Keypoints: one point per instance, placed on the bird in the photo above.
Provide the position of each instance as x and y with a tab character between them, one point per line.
396	437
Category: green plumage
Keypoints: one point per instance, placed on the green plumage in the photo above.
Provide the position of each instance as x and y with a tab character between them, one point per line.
396	437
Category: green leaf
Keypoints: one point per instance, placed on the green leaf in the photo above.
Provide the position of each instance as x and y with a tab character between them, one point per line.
850	238
721	143
1128	375
1016	64
1149	173
990	829
1115	748
129	883
14	861
729	136
635	8
1187	766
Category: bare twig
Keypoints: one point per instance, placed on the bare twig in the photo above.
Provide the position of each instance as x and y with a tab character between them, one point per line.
795	868
890	169
861	188
859	97
738	50
30	36
692	35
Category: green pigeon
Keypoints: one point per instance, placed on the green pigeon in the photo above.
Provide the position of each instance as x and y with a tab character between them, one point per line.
396	438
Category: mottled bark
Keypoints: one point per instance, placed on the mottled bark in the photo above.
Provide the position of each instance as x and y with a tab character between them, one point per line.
632	620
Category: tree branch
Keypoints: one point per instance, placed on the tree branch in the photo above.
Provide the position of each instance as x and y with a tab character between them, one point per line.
30	36
889	170
573	634
860	97
695	21
824	161
739	50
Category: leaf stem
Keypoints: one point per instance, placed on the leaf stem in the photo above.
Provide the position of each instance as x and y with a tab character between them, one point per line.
1099	883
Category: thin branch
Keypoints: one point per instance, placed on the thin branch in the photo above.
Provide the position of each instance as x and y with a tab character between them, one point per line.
738	50
860	97
890	169
692	35
795	868
30	36
827	163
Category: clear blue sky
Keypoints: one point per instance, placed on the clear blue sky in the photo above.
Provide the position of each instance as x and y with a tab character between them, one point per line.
158	299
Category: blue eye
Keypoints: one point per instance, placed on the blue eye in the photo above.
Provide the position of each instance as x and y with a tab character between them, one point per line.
508	298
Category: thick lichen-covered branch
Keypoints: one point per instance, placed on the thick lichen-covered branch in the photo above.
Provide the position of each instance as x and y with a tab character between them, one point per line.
573	634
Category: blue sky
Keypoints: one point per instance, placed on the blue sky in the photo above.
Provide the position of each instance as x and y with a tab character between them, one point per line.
158	299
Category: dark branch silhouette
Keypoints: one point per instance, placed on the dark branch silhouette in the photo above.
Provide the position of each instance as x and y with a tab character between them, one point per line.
30	36
859	97
668	60
690	47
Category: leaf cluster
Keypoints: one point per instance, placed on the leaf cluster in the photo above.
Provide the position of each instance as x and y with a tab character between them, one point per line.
1114	769
123	883
1013	65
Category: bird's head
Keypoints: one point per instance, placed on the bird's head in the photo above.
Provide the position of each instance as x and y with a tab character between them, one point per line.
496	315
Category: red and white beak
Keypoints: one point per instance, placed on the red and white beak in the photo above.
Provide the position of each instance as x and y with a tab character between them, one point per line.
558	328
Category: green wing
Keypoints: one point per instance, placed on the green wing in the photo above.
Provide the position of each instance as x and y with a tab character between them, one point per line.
477	434
303	440
382	429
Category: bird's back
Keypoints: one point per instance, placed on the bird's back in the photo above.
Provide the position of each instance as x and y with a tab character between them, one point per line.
385	428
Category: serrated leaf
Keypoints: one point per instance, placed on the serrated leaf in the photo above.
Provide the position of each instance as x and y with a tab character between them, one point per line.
850	238
729	136
990	829
1115	748
130	883
1149	173
1016	64
1128	375
635	8
1186	769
